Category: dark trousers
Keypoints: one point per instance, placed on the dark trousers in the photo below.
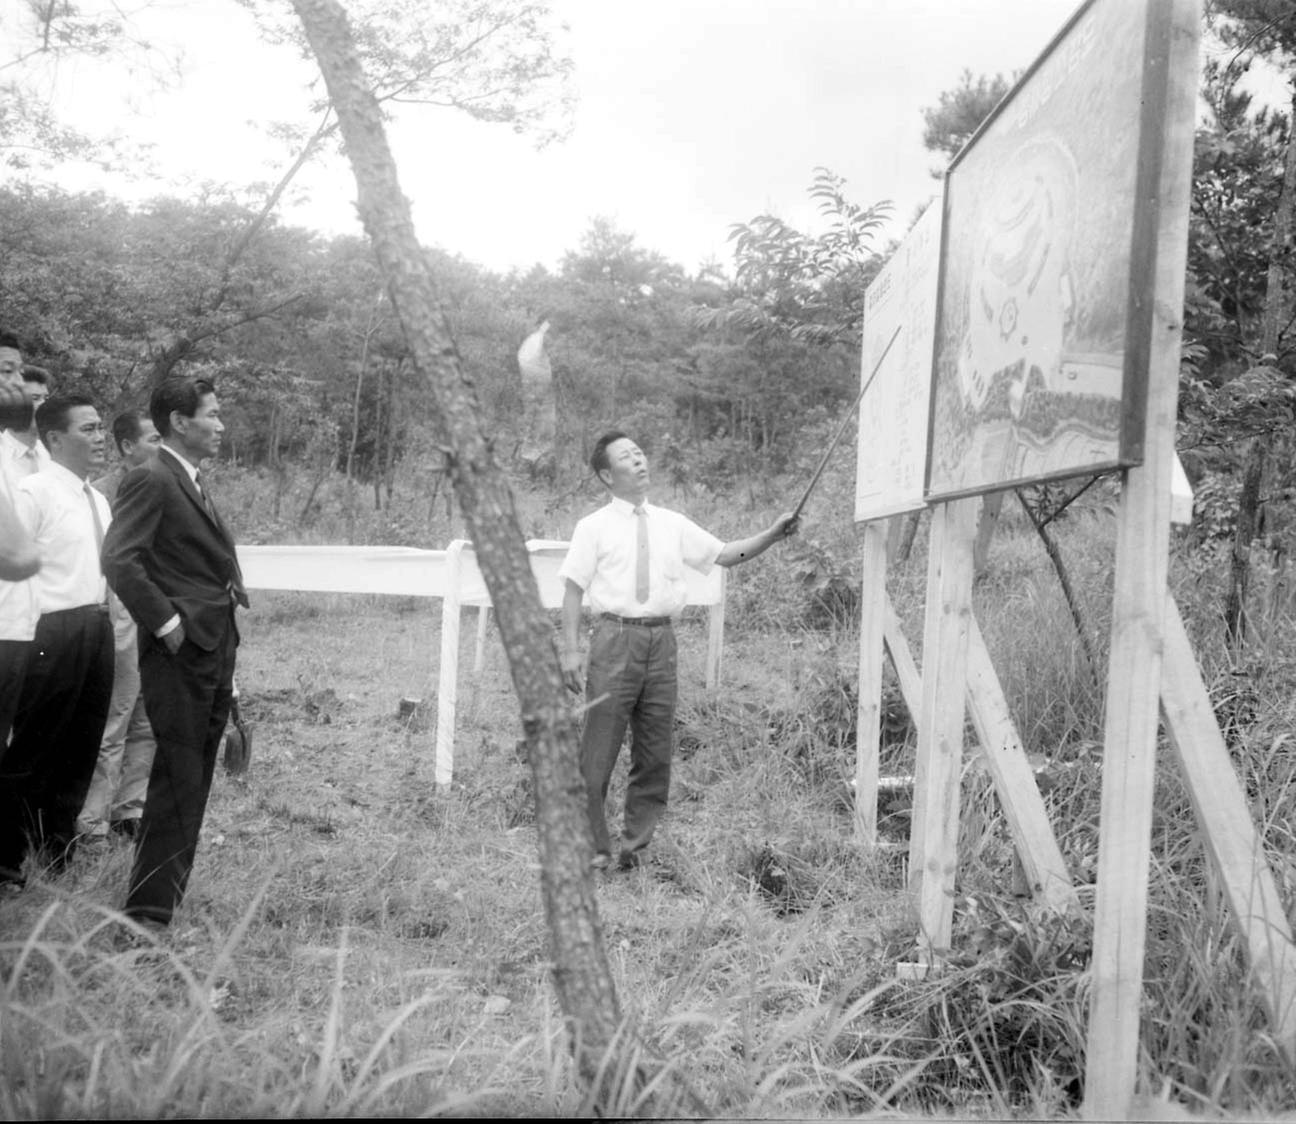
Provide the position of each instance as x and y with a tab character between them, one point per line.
635	668
46	770
13	667
187	697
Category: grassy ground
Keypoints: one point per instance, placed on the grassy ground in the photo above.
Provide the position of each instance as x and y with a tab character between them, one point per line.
356	941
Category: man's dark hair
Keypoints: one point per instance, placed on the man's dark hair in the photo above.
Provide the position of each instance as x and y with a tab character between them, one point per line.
33	373
126	427
181	395
599	458
54	412
9	340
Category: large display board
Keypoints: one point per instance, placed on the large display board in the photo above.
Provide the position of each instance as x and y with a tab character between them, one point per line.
893	412
1031	378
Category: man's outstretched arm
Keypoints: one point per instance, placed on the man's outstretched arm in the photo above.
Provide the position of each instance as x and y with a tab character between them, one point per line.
744	550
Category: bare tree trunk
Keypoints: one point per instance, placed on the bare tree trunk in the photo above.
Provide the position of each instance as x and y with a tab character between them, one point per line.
582	976
1235	603
355	418
1257	454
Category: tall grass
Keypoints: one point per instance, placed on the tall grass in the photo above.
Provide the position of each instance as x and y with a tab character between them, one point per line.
358	942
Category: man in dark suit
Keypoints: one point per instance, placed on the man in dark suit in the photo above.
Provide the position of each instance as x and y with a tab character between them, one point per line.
171	560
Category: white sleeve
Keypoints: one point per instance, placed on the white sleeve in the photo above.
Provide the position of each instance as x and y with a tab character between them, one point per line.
582	555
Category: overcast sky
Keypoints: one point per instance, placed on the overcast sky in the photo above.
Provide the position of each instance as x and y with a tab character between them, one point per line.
692	115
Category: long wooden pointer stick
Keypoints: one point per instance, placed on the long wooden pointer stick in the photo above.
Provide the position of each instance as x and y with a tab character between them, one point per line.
842	428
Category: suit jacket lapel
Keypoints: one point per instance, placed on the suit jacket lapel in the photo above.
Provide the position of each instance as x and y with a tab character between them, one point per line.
182	478
190	489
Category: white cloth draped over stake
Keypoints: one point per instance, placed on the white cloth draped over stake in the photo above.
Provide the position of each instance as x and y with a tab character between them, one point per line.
539	409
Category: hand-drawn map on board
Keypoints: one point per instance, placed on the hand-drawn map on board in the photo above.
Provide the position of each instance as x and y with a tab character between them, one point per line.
893	412
1029	376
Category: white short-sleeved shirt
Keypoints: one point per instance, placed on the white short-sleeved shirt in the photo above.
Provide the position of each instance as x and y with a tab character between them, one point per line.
601	559
56	507
18	609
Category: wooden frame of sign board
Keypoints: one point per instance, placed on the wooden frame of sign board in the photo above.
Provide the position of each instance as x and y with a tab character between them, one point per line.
1032	379
899	314
1145	622
1153	672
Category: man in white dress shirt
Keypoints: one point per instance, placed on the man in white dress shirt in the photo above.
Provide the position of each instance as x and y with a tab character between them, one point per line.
628	558
17	597
115	801
46	770
18	557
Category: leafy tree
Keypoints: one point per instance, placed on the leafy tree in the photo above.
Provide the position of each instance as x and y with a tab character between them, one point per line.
950	123
41	37
1251	227
783	338
809	288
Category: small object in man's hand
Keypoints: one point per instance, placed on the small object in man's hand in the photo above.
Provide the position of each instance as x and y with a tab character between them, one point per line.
16	408
238	742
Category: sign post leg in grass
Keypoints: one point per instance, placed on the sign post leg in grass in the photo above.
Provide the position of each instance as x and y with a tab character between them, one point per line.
1232	842
1159	251
933	848
873	604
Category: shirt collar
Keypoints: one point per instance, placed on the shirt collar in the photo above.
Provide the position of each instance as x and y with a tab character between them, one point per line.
625	507
17	448
66	477
193	472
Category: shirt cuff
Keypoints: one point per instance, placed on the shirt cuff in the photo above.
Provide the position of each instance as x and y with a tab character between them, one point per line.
170	624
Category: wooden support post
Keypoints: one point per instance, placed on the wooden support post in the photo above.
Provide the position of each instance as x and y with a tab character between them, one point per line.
991	507
1153	338
1041	857
715	635
448	680
906	668
868	728
933	846
1232	842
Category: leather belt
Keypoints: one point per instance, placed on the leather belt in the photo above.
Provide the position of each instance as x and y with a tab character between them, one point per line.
642	622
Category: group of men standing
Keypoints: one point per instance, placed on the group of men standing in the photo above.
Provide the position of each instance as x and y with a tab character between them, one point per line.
118	633
117	630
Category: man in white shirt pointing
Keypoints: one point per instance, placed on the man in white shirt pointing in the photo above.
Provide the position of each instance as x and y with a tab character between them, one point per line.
628	558
46	770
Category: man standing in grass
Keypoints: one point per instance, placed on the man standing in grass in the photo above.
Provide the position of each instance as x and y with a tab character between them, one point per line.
629	558
17	596
63	703
116	798
171	560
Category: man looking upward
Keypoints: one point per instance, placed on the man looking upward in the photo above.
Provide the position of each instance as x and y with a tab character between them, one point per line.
628	558
171	560
46	769
116	797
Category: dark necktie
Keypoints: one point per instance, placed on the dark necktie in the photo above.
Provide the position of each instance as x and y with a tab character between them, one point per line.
206	499
641	554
